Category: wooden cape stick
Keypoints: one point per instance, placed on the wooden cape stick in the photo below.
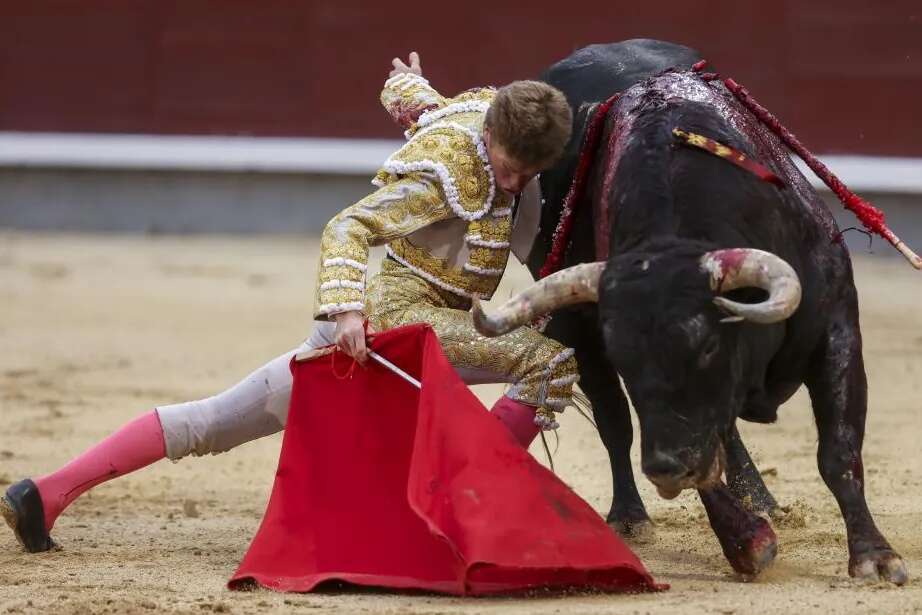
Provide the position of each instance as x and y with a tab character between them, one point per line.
374	355
310	355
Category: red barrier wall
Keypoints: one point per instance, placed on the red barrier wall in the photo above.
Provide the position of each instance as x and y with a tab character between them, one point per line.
845	75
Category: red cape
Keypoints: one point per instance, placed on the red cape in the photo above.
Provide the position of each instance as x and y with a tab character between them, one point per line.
385	485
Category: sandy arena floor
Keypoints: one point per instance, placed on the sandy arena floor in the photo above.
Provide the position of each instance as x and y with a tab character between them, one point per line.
94	330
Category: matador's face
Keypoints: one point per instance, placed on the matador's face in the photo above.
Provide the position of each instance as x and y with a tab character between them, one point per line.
511	175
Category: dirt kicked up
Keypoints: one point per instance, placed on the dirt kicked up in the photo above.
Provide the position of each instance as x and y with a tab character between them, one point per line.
97	329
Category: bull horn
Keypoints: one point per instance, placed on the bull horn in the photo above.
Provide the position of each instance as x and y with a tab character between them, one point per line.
577	284
747	267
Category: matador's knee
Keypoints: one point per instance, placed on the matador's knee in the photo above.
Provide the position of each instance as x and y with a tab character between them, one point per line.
548	382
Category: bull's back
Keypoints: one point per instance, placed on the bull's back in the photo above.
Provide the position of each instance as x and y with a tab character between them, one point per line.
596	72
592	74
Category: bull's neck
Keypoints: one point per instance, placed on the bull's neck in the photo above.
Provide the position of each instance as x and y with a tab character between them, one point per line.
633	196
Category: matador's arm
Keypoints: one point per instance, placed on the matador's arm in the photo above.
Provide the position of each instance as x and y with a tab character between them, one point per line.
407	96
395	210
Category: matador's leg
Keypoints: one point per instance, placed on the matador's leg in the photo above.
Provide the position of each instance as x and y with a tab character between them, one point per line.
255	407
541	371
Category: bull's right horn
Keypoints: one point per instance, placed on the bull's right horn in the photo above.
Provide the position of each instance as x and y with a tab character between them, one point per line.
576	284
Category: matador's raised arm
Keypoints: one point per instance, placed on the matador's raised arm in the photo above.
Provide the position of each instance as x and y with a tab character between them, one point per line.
407	96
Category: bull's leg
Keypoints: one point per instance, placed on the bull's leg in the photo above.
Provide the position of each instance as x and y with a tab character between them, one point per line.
744	479
613	417
747	540
838	390
578	329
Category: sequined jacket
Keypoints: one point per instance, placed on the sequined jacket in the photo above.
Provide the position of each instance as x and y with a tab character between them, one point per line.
437	208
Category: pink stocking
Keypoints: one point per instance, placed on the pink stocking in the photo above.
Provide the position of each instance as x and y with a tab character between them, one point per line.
519	418
136	445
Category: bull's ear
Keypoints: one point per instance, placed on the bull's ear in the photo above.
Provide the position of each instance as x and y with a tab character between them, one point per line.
731	319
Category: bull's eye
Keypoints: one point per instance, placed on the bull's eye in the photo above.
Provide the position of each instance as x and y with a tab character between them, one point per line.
709	351
642	263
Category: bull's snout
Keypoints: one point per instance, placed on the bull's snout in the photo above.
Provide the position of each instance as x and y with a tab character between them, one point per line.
668	473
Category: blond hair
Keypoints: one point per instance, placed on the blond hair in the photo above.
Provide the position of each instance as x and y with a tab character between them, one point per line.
531	120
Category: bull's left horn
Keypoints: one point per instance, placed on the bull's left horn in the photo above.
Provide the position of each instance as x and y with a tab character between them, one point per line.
577	284
747	267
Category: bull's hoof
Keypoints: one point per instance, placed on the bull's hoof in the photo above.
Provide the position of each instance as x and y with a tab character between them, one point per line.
639	531
22	509
754	551
879	565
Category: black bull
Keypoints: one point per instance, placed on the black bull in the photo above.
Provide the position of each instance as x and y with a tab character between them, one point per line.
672	212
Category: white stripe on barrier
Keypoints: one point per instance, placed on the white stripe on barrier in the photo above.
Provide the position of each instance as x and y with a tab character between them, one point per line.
333	156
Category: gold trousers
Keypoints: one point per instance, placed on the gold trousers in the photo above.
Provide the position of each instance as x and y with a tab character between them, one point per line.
541	371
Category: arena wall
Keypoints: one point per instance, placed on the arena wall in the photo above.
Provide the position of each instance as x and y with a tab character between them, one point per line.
98	98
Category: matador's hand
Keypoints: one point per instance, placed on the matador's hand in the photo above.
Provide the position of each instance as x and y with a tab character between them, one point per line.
401	68
350	335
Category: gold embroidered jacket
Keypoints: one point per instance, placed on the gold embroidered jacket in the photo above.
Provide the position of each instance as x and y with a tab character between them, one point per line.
441	179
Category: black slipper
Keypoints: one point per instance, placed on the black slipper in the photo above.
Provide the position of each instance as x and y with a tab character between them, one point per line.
23	511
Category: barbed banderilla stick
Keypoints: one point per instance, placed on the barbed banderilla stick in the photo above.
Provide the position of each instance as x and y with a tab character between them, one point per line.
871	217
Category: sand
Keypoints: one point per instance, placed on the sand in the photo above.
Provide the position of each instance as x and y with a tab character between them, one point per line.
97	329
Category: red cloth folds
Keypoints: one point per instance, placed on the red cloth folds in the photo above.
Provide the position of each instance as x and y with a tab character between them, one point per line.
384	485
